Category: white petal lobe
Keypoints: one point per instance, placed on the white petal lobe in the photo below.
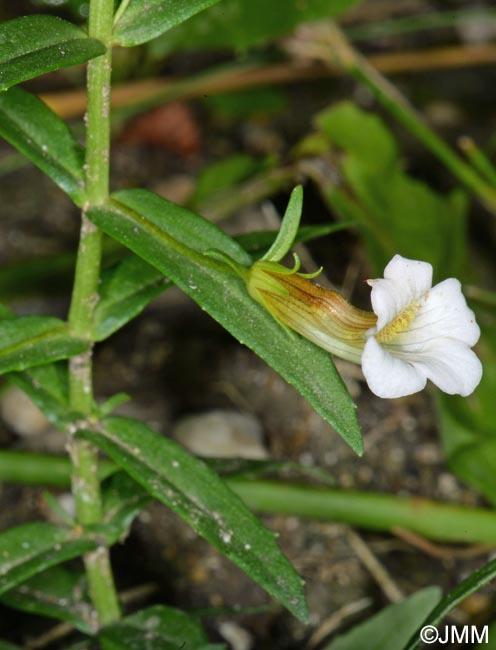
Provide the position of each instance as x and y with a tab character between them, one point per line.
415	275
451	365
389	376
405	282
446	314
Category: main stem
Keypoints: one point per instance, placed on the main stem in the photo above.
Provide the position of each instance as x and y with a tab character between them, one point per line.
84	456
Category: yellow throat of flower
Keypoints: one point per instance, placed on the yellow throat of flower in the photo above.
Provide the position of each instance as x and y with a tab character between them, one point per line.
399	324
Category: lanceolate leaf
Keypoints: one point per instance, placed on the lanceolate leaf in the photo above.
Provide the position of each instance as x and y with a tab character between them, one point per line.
391	627
200	497
473	583
289	227
33	45
240	24
248	468
173	240
185	226
125	291
146	19
57	592
37	132
123	499
158	627
48	387
34	340
32	548
257	242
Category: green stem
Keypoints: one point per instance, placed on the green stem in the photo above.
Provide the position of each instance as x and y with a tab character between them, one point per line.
84	456
372	510
478	159
438	521
393	101
98	115
35	469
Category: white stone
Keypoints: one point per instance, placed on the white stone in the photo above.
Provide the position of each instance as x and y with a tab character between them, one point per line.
238	637
222	434
21	414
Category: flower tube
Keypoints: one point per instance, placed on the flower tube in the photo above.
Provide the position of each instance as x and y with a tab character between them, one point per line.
322	316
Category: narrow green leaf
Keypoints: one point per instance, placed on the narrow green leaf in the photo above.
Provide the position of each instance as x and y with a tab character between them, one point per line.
391	628
157	627
186	485
289	227
37	132
257	242
247	468
177	222
173	239
58	511
123	499
32	548
35	340
48	388
33	45
473	583
238	24
58	593
110	404
125	291
147	19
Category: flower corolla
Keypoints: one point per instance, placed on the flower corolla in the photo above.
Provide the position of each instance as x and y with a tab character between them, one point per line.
416	332
422	332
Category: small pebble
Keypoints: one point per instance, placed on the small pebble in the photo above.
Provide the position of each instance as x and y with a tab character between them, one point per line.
238	637
222	434
21	414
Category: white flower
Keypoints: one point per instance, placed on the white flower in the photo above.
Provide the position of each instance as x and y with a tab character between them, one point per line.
421	333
